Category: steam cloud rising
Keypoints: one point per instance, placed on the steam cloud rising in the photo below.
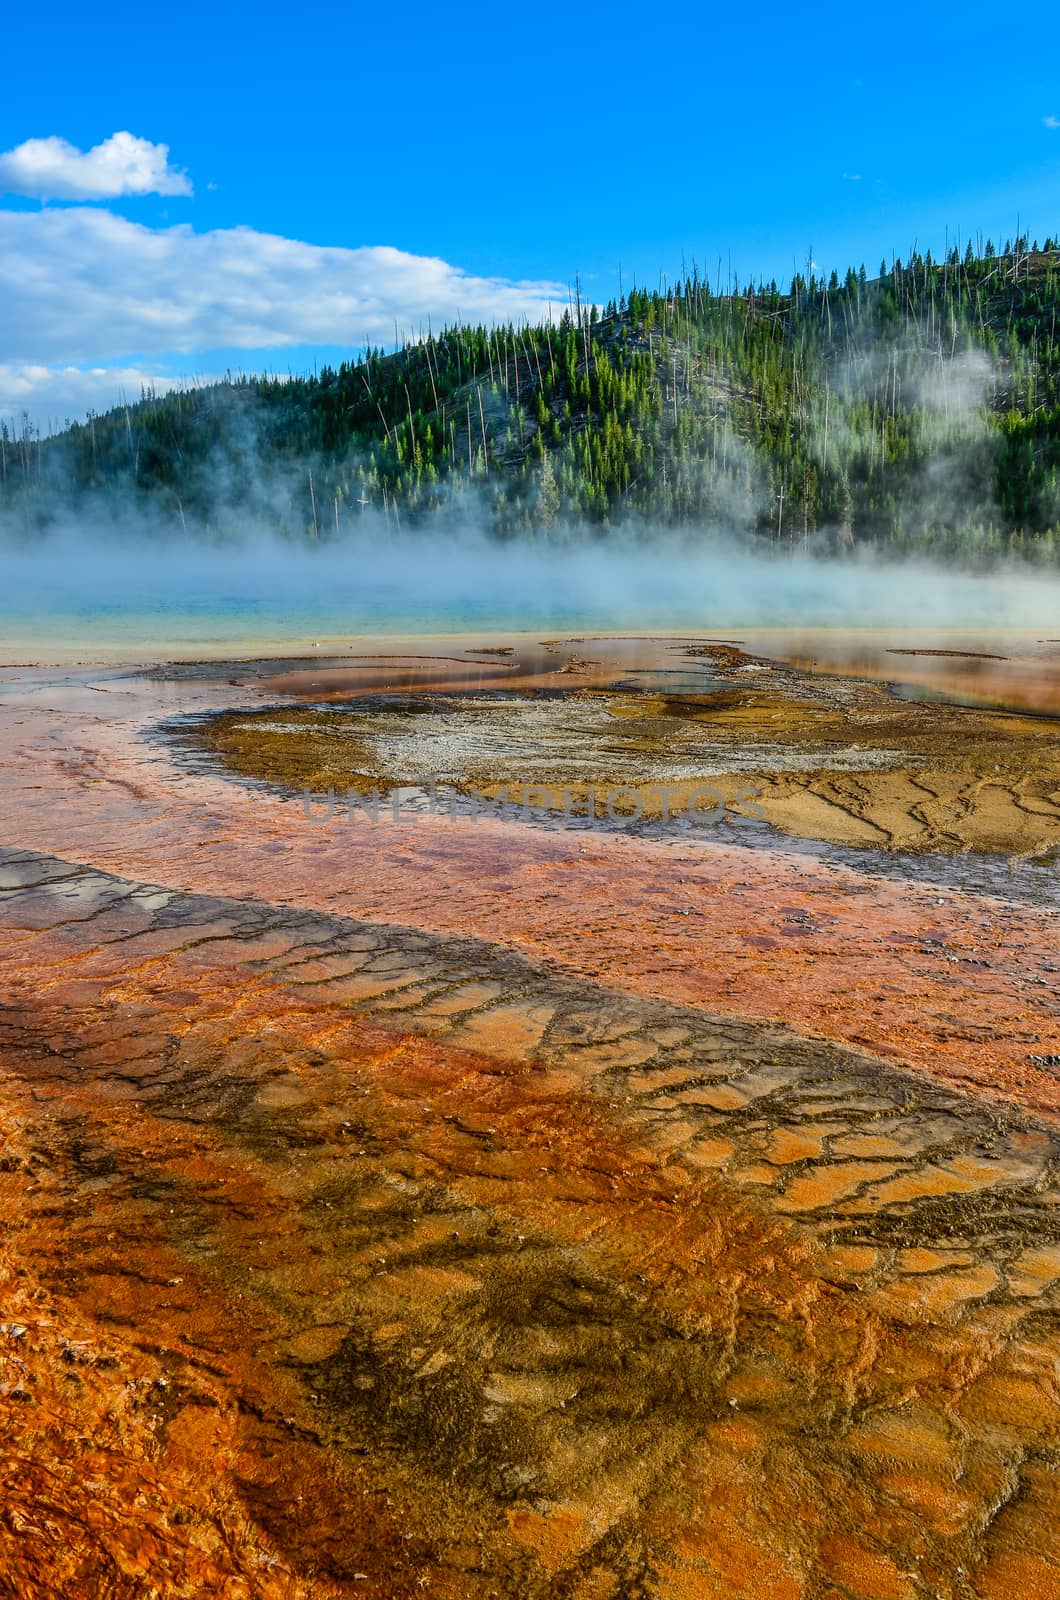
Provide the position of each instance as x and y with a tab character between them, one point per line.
176	593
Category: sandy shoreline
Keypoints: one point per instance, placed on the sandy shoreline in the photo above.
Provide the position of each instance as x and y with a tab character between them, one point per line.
29	645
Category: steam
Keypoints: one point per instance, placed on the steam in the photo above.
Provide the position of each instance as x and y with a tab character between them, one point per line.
939	398
99	587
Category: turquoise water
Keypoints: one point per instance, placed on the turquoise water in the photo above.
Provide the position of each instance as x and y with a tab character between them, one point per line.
97	598
245	625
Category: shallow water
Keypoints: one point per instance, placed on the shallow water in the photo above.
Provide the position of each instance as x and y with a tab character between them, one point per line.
1008	670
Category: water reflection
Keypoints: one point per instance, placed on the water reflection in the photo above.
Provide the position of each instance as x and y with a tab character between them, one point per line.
1009	672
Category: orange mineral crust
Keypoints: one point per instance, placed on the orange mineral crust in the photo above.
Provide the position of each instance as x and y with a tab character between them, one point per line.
509	1210
960	984
350	1259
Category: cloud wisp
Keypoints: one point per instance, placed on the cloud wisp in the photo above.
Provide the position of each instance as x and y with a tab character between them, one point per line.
54	169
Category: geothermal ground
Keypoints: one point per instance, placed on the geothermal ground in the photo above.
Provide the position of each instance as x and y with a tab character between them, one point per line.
576	1194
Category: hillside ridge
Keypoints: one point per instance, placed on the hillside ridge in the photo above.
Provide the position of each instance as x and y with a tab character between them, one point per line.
917	410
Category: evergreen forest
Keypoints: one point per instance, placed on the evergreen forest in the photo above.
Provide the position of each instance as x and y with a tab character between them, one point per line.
916	409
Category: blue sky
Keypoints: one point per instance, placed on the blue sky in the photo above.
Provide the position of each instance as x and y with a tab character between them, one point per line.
515	147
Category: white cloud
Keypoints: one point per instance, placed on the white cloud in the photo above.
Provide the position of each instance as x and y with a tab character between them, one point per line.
84	292
1051	122
83	286
54	169
53	396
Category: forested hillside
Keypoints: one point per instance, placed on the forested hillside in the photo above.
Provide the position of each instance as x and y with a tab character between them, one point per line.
917	409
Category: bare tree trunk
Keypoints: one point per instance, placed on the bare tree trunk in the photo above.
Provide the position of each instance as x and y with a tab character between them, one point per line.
430	371
827	397
482	425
